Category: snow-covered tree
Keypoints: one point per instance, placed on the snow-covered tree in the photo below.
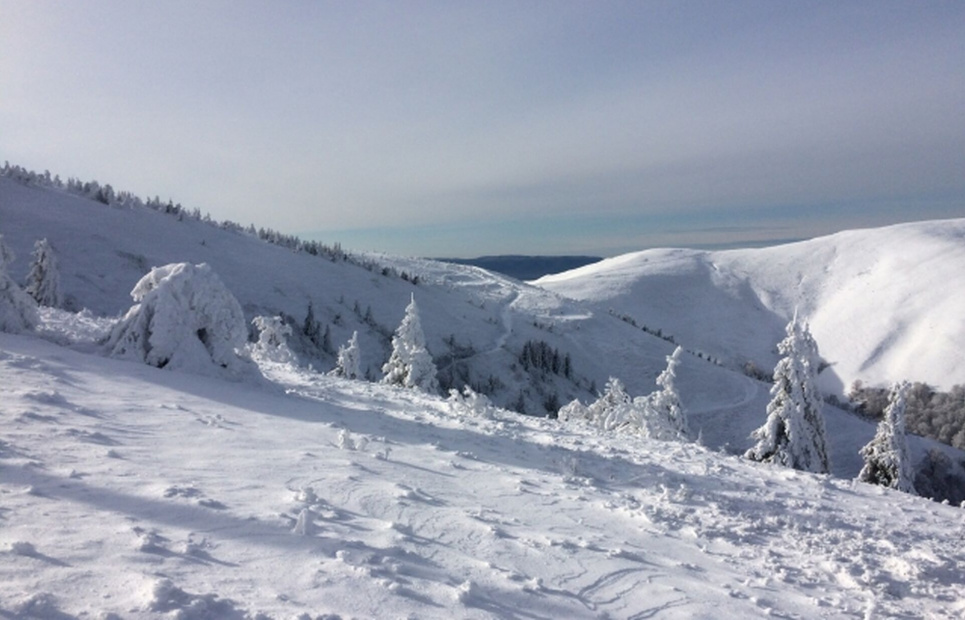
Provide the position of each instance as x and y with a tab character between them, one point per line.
612	410
272	344
348	364
794	434
663	414
184	319
886	460
43	281
6	254
410	364
574	410
18	311
470	403
311	327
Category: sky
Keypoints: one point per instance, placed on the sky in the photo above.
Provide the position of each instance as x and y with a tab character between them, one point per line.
458	129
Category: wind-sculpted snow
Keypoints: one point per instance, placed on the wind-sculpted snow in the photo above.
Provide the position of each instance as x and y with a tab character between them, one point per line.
133	492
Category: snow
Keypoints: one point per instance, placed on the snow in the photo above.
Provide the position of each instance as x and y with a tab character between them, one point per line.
139	492
129	491
883	304
184	319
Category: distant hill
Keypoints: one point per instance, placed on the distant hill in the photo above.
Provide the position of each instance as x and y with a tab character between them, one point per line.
526	267
884	304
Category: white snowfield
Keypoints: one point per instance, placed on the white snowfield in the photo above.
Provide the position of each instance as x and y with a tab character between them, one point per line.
884	304
134	492
129	491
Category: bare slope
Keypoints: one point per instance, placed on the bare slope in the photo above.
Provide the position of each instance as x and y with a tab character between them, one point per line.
884	304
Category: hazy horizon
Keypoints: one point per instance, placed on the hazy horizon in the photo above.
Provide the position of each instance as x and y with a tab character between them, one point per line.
465	129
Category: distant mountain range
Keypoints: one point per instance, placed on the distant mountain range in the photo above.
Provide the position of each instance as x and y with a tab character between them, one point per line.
526	267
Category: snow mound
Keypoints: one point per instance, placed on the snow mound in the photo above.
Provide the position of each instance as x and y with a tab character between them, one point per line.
185	319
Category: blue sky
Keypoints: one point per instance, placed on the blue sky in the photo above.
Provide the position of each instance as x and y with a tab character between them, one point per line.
466	128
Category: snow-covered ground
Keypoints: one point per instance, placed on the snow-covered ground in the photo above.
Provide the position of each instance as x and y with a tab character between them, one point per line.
133	492
883	304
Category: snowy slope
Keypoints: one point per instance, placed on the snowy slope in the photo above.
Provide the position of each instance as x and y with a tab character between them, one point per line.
104	251
883	304
133	492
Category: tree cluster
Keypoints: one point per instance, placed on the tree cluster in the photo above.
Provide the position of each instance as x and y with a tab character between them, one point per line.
541	356
928	412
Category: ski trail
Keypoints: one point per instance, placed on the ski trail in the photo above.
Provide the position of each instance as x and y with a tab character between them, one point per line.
506	319
751	390
506	316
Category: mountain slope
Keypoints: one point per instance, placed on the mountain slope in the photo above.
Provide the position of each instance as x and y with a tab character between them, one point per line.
883	304
134	492
477	323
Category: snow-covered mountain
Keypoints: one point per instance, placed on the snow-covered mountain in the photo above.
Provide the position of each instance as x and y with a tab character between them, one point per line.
884	304
132	491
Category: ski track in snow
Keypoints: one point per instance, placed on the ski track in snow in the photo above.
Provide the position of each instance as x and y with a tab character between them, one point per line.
144	493
506	320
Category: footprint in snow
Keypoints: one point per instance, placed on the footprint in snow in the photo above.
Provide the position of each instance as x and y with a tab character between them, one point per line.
191	492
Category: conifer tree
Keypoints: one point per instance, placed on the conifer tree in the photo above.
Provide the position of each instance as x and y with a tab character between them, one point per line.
18	311
410	365
272	344
348	364
611	410
43	281
793	434
310	327
664	416
886	460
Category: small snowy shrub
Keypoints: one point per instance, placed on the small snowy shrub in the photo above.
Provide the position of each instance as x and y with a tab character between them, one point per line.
348	364
185	319
470	403
272	344
663	413
613	409
573	411
18	311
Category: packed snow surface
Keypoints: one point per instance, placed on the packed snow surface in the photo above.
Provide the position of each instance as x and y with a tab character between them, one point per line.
134	492
883	304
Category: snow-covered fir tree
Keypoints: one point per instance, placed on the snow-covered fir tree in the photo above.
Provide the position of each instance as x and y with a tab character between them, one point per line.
410	365
43	281
664	414
272	344
18	311
886	460
793	434
348	364
184	319
311	327
6	254
613	409
471	403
